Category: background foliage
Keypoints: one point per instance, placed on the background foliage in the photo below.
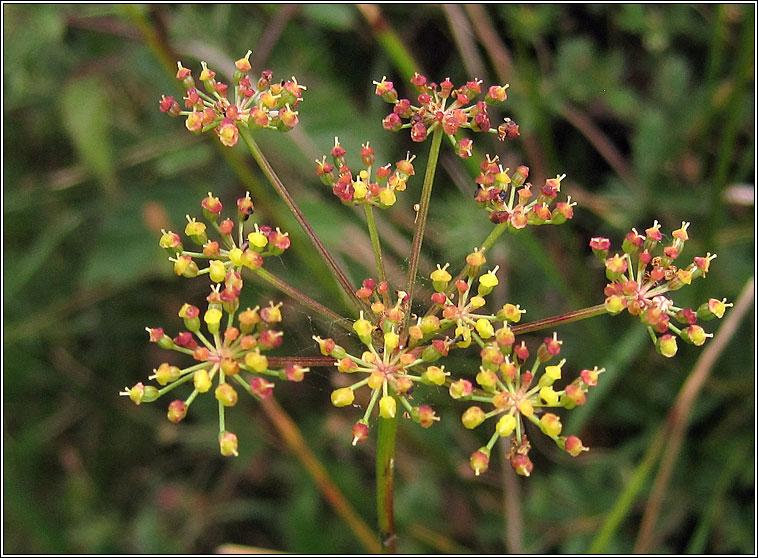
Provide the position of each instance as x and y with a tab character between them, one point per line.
649	109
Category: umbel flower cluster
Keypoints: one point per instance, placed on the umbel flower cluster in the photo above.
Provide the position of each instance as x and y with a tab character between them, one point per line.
509	199
641	281
391	367
253	104
448	107
363	188
401	351
232	350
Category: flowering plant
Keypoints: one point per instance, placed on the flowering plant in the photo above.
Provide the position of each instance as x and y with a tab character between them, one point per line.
400	348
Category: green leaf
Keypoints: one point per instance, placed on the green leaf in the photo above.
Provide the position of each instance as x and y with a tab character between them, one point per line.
86	118
335	16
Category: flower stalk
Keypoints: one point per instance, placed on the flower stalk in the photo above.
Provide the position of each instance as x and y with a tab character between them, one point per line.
385	483
303	299
560	319
423	211
276	182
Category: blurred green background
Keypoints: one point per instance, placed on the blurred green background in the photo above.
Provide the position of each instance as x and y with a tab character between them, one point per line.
648	109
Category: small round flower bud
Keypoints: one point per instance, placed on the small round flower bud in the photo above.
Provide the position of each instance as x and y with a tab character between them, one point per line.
522	464
487	282
177	410
342	397
506	425
473	417
202	380
550	347
270	339
525	407
391	341
165	373
440	278
201	354
360	432
256	361
387	407
521	352
217	271
600	246
574	396
171	242
552	373
227	442
376	379
212	207
212	318
140	393
184	266
714	308
363	328
272	313
229	366
424	415
589	377
509	371
226	394
461	389
666	345
511	313
696	335
615	267
295	372
261	387
496	94
487	378
484	328
548	395
480	460
434	375
465	148
196	231
574	446
633	241
504	336
243	64
194	122
551	424
158	336
475	260
615	304
418	132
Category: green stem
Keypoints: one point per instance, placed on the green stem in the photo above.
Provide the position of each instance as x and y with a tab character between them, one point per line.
560	319
369	210
493	236
303	299
389	40
385	483
273	178
426	196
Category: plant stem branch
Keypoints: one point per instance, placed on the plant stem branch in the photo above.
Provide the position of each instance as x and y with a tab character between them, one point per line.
385	483
560	319
375	245
389	40
426	196
295	441
303	299
273	178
